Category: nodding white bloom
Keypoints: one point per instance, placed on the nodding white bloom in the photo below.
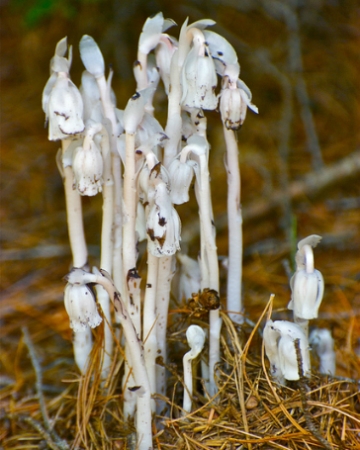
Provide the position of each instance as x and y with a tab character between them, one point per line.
88	166
224	55
181	174
164	52
196	339
81	307
323	344
190	277
288	333
64	109
198	76
152	32
271	338
232	108
150	174
134	111
307	284
91	56
58	63
163	223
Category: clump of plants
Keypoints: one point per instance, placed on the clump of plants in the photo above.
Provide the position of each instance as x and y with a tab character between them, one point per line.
143	170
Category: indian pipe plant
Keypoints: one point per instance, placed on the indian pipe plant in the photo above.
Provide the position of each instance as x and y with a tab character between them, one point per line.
142	170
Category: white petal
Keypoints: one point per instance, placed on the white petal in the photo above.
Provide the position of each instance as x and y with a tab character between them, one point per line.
91	56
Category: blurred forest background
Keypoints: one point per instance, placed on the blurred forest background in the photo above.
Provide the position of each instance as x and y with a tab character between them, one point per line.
300	157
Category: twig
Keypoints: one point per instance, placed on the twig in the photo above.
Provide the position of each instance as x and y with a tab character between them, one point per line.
49	433
311	426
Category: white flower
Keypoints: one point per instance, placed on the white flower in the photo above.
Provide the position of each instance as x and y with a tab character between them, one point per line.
323	344
232	108
163	53
91	56
65	109
88	168
271	338
81	307
134	111
163	224
288	333
181	175
199	78
307	284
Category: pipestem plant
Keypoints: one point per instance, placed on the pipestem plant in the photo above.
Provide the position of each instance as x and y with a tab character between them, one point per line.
142	170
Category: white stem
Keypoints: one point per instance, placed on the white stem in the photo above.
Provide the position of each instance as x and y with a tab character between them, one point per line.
82	345
106	248
309	258
141	74
82	341
188	384
174	122
165	275
208	230
211	260
149	322
129	232
106	239
234	277
196	338
118	271
143	423
303	324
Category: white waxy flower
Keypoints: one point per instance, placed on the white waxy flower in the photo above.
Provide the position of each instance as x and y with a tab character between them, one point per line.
181	175
59	62
65	109
81	307
190	277
323	344
271	338
88	168
163	224
307	284
289	333
232	108
134	111
151	32
163	53
199	78
224	55
91	56
196	339
246	95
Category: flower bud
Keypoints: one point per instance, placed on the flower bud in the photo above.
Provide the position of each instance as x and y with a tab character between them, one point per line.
290	332
88	169
65	109
163	224
323	344
307	294
232	108
199	79
81	307
181	175
91	56
195	336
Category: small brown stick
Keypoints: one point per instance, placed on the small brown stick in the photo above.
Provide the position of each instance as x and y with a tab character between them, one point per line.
49	432
302	388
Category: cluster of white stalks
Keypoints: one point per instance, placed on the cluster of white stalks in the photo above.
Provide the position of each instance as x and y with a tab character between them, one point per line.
142	170
287	343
